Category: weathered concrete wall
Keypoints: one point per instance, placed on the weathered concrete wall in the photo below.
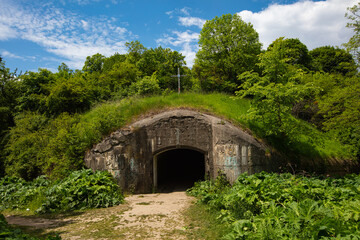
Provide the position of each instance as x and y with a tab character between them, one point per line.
130	153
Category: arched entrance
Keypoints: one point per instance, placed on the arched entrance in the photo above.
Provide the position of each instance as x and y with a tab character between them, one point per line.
178	169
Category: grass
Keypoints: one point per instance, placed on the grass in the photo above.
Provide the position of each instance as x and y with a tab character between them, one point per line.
107	117
201	223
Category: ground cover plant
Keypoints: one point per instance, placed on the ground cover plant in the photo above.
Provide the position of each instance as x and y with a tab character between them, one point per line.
80	190
285	206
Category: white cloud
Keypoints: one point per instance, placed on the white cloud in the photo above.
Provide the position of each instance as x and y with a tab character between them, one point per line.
62	33
191	21
185	10
6	32
186	41
11	55
313	23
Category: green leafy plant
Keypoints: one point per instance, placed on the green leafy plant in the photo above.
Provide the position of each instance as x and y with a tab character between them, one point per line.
285	206
80	190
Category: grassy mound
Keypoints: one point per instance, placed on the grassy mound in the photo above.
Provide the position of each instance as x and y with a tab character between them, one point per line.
56	146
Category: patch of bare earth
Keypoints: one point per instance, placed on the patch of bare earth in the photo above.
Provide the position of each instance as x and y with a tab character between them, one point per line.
146	216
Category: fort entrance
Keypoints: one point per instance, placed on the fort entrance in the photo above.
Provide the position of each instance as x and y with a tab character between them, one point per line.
173	149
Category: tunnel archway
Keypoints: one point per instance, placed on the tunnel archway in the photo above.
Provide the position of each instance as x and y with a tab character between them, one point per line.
178	169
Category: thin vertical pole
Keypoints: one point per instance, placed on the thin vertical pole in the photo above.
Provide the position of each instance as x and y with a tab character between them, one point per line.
178	80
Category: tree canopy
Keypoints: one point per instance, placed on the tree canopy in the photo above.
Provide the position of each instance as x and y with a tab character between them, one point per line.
228	47
333	60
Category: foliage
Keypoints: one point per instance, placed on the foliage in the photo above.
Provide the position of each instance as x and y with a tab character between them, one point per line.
121	75
33	90
284	206
94	63
26	139
340	109
294	52
354	24
69	95
9	233
80	190
275	93
39	145
333	60
272	105
145	87
9	91
228	47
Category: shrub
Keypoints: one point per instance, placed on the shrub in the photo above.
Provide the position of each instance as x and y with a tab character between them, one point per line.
80	190
284	206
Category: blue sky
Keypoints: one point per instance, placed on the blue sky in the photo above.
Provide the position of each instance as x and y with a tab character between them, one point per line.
44	33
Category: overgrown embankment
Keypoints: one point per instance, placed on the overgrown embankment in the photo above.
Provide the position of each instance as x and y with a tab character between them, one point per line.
54	147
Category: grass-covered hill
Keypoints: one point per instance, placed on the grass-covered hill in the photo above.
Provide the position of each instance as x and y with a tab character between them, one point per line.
39	145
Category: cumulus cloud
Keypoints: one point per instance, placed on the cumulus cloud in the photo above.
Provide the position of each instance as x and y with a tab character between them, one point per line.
313	23
62	33
191	21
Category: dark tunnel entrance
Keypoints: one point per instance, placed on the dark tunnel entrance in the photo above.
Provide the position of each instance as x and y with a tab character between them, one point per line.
178	169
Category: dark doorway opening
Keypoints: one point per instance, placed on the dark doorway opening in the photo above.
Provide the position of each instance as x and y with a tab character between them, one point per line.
179	169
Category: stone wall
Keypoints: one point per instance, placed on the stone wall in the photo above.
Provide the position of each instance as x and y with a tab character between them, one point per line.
130	153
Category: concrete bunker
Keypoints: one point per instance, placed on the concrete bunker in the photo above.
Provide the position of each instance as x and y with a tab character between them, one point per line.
175	148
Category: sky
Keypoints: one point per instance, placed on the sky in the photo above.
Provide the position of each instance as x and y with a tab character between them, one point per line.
45	33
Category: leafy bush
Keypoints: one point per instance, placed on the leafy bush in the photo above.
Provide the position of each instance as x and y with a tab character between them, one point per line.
80	190
146	86
16	193
284	206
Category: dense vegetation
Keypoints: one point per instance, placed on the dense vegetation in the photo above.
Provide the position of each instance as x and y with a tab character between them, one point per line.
303	103
284	206
48	120
80	190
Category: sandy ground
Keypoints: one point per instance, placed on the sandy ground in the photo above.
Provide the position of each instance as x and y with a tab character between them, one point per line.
145	216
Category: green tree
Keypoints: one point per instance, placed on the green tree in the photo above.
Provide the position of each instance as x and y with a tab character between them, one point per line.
9	91
110	61
333	60
135	51
275	92
121	75
228	47
277	62
353	45
295	52
70	95
64	71
34	88
25	146
94	63
164	63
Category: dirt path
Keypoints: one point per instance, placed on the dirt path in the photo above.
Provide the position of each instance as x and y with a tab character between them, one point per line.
146	216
